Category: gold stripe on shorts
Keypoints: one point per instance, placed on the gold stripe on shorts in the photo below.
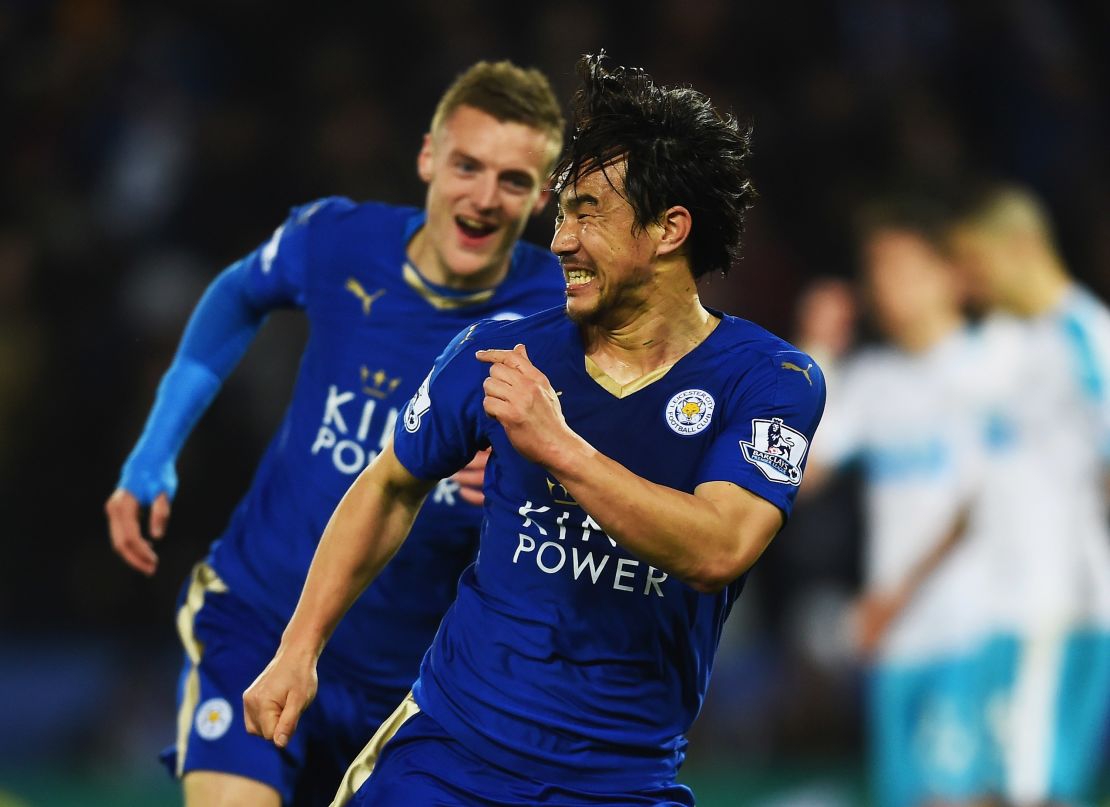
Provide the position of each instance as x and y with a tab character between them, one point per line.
204	579
367	758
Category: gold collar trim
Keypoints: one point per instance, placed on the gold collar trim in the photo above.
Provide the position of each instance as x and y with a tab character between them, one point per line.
440	301
610	385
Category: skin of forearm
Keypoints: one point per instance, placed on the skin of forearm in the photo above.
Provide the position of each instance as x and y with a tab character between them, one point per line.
932	560
364	532
687	536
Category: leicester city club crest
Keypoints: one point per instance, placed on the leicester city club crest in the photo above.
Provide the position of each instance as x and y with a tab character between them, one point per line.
213	718
776	450
690	411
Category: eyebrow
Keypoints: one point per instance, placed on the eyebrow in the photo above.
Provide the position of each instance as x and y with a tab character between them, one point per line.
458	154
514	174
577	201
523	177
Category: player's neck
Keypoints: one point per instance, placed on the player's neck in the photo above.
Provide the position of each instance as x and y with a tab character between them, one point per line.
650	338
426	259
929	332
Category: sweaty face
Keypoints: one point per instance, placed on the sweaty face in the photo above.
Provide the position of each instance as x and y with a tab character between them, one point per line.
606	265
485	178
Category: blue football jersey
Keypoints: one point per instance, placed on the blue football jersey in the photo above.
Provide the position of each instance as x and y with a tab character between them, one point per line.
375	325
564	655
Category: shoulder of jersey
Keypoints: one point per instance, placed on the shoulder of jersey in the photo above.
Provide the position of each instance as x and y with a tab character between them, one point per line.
339	211
498	333
754	340
537	258
753	346
1087	303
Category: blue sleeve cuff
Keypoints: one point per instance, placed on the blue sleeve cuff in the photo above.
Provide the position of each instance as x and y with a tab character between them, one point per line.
185	392
219	332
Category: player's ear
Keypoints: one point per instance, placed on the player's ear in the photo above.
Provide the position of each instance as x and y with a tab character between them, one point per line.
425	159
676	225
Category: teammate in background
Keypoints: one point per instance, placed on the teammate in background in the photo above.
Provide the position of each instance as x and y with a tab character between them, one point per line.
631	486
1045	508
384	288
906	411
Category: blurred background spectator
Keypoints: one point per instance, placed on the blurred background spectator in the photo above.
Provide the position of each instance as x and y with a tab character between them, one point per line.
146	146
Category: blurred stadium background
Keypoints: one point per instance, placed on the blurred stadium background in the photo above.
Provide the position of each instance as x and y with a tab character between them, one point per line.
145	146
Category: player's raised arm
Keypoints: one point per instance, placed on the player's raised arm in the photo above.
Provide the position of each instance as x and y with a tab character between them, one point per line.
366	529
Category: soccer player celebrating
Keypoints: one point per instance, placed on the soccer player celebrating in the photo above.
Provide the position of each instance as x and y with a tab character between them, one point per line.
384	288
645	451
1045	502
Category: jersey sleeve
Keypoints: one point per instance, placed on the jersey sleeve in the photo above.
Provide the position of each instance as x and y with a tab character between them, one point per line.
278	270
768	426
441	428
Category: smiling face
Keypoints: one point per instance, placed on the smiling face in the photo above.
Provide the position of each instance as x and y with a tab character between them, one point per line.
485	178
606	263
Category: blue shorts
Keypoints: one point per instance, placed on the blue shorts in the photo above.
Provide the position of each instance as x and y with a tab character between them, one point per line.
227	645
928	732
413	761
1051	715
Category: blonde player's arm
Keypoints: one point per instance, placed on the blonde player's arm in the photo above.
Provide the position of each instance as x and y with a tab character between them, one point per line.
365	531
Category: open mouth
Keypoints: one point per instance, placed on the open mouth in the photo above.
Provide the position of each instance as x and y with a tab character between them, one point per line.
578	277
474	228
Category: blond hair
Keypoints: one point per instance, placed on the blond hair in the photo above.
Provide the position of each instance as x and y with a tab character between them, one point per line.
1007	209
507	93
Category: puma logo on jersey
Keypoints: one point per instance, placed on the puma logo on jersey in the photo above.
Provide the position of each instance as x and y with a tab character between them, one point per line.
789	365
367	300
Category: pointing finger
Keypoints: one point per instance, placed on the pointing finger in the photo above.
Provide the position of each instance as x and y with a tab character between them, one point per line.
493	356
517	357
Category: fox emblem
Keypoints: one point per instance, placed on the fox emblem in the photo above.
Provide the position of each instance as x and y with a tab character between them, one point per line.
691	408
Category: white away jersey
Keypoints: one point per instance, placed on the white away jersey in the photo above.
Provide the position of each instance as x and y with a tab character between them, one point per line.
911	421
1048	385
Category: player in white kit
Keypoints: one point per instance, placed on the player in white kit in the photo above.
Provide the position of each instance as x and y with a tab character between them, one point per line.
1044	509
906	412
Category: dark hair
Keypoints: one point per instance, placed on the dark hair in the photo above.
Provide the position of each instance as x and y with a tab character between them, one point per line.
679	150
925	213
